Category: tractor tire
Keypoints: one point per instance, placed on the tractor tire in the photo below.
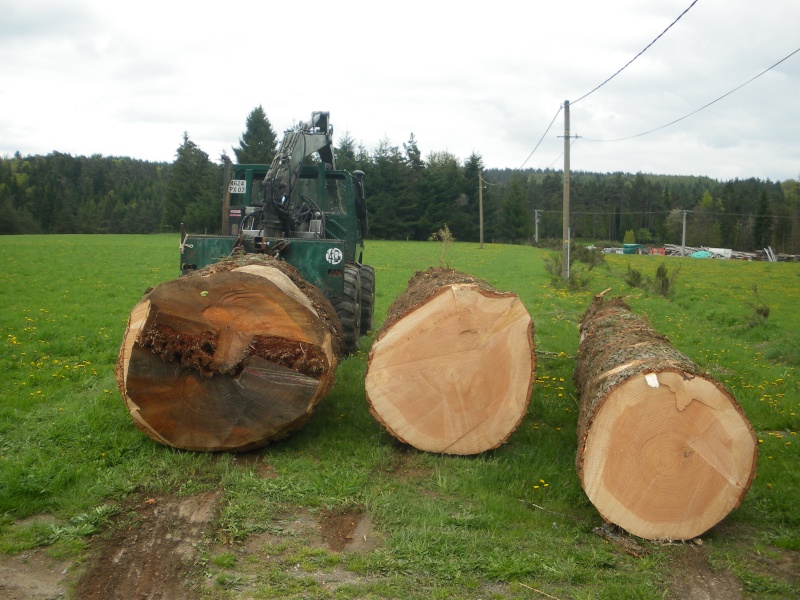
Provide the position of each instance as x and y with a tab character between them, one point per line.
367	297
348	307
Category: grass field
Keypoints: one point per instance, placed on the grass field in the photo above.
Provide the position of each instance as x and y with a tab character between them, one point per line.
511	523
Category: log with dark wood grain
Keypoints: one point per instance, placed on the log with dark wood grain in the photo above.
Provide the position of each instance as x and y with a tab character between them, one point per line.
452	368
664	450
228	358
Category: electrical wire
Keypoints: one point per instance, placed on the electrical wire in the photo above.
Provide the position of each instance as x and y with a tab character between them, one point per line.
694	112
572	143
605	82
638	55
558	112
660	212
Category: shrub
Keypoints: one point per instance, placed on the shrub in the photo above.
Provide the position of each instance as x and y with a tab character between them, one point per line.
446	238
591	257
578	279
633	277
664	283
760	309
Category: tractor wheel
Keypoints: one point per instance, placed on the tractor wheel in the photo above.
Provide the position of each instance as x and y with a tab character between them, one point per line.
348	307
367	297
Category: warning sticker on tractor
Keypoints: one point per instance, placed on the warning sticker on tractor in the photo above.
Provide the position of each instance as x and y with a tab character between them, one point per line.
237	186
333	256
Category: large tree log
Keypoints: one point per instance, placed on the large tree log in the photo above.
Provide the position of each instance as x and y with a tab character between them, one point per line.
664	450
228	358
451	370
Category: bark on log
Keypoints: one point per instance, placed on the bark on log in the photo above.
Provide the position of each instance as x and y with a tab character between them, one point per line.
664	450
451	371
228	358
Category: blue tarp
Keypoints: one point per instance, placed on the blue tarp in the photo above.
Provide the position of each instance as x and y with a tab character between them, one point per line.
701	254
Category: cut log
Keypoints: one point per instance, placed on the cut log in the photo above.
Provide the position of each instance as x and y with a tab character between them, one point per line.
451	370
228	358
664	450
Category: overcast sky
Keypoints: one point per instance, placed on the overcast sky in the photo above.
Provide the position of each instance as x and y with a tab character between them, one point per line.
127	79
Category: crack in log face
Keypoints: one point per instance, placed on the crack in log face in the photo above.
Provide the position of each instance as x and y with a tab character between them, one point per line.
307	359
193	351
197	351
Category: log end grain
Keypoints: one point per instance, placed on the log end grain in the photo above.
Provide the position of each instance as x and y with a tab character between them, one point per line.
454	374
668	455
227	360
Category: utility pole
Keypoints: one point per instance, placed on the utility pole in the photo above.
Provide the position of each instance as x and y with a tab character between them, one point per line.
480	203
226	194
536	225
565	226
683	237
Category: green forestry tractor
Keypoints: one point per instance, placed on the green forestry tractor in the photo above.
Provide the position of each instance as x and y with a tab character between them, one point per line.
307	213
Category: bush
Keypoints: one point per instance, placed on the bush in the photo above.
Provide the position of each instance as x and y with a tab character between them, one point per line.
591	257
664	283
633	277
760	309
578	279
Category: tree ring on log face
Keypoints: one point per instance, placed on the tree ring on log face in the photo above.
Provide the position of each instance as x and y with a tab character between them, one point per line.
667	462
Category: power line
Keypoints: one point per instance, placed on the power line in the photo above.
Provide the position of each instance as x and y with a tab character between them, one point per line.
571	144
544	134
694	112
638	55
663	212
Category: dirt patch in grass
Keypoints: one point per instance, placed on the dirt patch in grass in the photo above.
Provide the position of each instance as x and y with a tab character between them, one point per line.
347	530
154	556
154	551
33	576
691	578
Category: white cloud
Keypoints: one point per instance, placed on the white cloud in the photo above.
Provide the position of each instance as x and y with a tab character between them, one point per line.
90	77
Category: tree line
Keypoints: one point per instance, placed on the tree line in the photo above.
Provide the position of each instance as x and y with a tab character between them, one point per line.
409	197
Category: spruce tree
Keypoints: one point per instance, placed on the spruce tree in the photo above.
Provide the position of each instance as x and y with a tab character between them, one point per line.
516	217
762	228
258	143
192	194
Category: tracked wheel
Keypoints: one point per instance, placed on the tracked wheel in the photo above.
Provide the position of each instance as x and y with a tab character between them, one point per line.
367	297
348	307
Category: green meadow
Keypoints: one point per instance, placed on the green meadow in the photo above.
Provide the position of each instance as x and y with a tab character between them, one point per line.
510	523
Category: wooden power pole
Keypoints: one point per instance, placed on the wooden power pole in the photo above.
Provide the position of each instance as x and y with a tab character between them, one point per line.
480	203
565	226
226	195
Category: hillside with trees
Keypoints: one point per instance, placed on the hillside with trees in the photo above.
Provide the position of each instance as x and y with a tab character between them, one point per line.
409	197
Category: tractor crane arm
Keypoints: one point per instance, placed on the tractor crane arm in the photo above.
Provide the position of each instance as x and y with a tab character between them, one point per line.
309	137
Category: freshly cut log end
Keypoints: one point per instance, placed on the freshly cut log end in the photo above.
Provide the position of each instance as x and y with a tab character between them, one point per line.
452	370
229	358
664	450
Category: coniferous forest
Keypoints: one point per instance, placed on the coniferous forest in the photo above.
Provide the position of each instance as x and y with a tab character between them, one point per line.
409	197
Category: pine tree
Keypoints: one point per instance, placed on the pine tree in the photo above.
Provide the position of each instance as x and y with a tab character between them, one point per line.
516	218
762	228
258	143
192	195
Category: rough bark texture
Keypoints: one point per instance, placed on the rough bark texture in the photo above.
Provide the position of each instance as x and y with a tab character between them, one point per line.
230	357
452	369
664	450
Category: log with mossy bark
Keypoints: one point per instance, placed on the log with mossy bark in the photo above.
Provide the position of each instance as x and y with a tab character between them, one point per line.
452	368
664	450
230	357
